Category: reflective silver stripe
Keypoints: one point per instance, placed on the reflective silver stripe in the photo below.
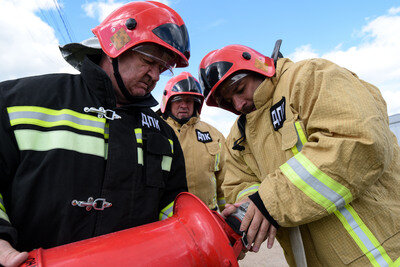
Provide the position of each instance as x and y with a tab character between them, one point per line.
358	233
314	183
54	118
253	188
221	202
299	144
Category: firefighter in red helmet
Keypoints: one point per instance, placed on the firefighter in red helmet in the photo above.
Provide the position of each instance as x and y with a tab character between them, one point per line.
313	154
84	155
202	144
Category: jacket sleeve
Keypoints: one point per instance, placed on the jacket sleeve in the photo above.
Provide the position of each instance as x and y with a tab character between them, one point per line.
176	182
8	162
239	181
346	148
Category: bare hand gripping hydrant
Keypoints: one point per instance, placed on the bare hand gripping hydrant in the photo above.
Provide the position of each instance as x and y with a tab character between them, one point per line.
193	236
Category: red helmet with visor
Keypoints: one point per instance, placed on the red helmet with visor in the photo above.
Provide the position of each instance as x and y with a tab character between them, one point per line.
182	84
144	22
222	64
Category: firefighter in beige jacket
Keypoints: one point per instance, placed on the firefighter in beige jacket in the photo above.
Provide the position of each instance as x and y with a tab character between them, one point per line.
313	151
201	143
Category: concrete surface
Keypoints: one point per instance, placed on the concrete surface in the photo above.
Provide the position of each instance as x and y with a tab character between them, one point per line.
265	257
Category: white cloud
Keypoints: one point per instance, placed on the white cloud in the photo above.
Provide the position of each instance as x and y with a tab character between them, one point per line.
101	9
303	52
376	59
219	118
29	46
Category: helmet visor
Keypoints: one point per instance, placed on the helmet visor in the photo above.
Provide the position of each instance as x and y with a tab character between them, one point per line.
211	75
160	55
174	35
180	97
189	85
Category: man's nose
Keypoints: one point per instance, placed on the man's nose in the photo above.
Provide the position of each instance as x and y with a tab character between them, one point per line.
238	103
154	72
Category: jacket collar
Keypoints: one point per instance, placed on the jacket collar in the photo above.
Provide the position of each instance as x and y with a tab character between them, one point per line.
192	120
100	84
265	91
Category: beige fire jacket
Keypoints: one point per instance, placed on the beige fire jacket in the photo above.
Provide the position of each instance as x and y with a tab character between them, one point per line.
319	151
203	149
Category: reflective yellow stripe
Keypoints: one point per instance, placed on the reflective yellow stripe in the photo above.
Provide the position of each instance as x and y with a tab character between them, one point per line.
45	141
301	138
2	203
315	184
172	145
3	214
363	237
46	117
139	135
250	189
166	212
217	159
300	133
221	202
308	190
166	163
140	155
324	178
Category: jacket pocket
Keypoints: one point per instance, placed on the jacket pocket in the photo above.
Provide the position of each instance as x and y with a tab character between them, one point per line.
158	159
289	135
214	149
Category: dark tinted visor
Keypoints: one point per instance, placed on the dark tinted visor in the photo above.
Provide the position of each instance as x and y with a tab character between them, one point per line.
187	85
176	36
212	74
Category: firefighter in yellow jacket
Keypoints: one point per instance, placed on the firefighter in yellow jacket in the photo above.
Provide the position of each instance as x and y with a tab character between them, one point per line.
201	143
313	151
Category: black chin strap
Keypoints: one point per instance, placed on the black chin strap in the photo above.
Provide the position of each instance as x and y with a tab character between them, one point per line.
120	82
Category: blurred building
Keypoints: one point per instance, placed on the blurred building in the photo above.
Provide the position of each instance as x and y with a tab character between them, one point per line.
394	124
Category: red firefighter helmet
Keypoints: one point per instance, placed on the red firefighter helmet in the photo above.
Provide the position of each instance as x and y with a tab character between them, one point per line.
144	22
182	84
218	65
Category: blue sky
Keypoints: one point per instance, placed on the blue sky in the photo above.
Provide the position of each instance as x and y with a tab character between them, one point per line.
359	35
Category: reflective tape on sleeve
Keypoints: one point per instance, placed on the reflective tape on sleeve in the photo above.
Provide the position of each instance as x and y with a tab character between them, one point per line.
166	212
315	184
251	189
3	214
221	202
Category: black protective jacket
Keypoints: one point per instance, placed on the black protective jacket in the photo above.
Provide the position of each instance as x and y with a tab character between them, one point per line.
55	152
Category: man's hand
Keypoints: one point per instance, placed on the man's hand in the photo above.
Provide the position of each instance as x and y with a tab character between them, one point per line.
9	257
258	228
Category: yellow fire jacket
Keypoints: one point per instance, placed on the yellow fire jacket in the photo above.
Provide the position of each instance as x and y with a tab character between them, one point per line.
319	151
203	149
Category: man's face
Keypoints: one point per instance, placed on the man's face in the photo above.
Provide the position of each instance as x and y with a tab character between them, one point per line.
140	73
182	106
240	94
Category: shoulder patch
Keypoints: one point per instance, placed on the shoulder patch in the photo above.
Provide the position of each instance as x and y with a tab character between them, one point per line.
203	137
278	114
